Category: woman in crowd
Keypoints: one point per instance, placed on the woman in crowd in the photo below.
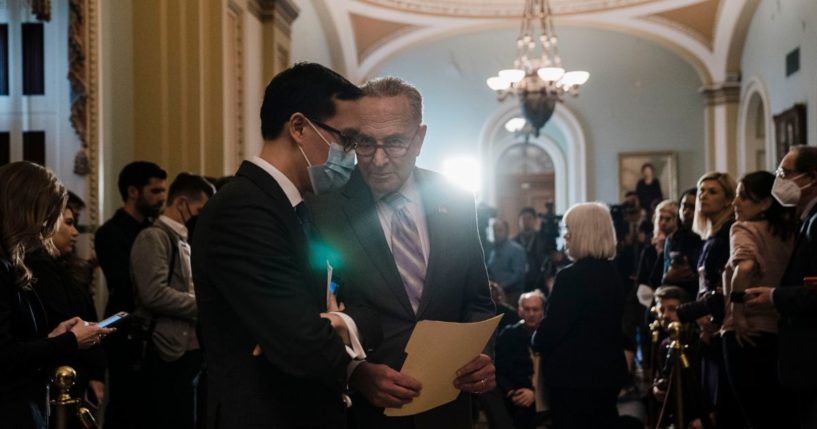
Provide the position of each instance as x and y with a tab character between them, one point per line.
62	287
683	247
580	341
31	202
714	217
761	240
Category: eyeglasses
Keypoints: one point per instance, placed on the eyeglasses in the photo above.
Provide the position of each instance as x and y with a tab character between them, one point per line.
394	146
782	172
347	141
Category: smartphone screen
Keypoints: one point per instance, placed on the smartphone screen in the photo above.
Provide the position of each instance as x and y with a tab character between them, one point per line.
112	320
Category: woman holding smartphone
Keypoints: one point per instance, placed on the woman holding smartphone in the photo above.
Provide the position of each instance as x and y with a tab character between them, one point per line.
761	241
62	287
31	202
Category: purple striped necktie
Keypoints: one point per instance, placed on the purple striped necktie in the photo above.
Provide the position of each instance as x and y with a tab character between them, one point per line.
406	248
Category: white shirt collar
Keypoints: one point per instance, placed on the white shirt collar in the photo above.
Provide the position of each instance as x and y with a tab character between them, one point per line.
289	188
177	227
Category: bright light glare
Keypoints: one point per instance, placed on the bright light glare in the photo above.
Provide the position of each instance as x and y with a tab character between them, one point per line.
512	75
497	83
515	124
551	74
574	78
463	172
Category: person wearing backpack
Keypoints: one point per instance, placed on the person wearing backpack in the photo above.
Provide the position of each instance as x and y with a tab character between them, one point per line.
165	305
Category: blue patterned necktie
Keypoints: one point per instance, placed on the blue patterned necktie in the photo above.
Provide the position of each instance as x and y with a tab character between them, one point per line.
406	249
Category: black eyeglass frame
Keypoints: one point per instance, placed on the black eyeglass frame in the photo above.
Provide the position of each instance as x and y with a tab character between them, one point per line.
389	149
348	142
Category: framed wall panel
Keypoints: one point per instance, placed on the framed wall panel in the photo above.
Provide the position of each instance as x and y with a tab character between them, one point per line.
33	58
4	59
34	147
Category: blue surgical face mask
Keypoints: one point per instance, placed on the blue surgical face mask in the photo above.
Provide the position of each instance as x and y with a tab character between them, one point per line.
335	172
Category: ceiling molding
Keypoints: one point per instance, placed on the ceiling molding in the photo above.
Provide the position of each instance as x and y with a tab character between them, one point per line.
370	33
497	8
698	20
712	46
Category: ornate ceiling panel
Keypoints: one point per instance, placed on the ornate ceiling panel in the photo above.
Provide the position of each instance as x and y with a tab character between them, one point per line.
503	8
698	20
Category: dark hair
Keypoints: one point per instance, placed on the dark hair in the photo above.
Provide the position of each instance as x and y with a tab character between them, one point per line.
690	191
672	292
645	165
75	203
307	88
32	200
630	194
806	160
138	175
190	186
529	210
219	182
757	187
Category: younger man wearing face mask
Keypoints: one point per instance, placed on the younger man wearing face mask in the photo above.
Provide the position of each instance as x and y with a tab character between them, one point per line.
166	304
795	299
258	284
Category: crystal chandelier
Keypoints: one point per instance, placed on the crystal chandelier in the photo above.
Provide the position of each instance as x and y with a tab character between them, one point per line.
537	77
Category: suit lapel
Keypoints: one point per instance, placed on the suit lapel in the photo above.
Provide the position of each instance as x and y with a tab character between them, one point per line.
270	186
361	214
802	231
437	223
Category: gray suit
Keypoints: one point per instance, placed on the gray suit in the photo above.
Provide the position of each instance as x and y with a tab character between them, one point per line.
171	304
455	289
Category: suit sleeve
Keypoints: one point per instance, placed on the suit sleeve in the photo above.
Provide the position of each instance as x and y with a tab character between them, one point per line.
27	355
504	360
259	275
795	301
800	301
113	254
149	266
477	302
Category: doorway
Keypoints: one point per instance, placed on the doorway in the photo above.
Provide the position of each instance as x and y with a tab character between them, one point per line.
525	177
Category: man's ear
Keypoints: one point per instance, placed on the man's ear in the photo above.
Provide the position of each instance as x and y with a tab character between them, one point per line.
296	126
421	136
133	193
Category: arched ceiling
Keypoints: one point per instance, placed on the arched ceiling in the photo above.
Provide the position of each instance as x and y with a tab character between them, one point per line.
707	33
494	8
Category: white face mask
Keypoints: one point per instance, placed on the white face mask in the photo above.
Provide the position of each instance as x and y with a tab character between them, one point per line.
335	172
786	192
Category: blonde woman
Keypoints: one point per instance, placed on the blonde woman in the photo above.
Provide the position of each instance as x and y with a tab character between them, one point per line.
713	219
31	202
580	340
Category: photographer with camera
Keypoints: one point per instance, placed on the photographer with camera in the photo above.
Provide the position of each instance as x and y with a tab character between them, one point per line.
713	219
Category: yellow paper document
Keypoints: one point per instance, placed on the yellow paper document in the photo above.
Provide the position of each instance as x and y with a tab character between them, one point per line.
436	350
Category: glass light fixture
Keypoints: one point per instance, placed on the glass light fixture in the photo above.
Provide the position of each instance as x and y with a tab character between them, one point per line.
537	78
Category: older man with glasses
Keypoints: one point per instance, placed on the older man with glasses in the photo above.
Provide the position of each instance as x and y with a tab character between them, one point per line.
409	249
796	297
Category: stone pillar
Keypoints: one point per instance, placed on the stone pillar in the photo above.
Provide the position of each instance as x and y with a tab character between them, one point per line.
721	124
276	18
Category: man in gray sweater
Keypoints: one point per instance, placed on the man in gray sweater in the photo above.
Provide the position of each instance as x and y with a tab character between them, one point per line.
166	304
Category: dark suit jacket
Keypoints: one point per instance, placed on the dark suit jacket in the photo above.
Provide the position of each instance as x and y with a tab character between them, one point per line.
580	340
514	367
62	298
27	356
797	306
113	241
456	287
254	286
